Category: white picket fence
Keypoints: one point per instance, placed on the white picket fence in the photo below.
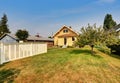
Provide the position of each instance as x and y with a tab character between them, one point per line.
10	52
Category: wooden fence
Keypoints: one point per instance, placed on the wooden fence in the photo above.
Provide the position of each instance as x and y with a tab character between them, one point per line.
9	52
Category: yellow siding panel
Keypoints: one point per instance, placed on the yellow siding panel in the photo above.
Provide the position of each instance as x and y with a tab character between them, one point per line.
60	41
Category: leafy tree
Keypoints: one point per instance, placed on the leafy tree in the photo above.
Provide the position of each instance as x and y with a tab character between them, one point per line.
3	25
108	22
49	37
113	42
91	35
110	37
22	34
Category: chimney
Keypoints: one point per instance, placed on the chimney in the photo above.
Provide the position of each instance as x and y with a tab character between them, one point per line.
70	27
37	35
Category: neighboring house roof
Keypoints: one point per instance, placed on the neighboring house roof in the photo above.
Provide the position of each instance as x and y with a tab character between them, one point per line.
39	38
117	28
62	29
30	38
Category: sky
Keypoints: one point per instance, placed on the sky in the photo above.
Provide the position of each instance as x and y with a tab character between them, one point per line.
45	17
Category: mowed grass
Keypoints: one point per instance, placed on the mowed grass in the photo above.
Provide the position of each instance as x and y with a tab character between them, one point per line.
69	65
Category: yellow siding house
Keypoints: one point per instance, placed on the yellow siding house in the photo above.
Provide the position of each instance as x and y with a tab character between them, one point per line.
65	37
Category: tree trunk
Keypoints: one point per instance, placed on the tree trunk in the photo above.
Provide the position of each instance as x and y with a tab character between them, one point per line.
92	46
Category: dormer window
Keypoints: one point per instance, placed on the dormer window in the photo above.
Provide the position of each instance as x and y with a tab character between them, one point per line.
65	31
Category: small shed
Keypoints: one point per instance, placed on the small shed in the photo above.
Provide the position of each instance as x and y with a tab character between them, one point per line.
9	38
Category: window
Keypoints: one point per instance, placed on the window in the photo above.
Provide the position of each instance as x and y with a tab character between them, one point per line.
73	39
65	31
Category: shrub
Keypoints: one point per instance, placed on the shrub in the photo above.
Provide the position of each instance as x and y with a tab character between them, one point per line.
115	49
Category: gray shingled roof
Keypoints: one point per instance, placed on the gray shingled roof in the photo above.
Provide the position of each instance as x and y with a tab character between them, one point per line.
39	38
117	28
29	37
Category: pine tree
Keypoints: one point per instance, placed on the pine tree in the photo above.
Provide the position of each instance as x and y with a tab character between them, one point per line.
3	25
108	22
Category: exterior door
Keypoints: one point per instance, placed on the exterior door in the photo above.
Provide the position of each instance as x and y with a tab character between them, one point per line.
65	40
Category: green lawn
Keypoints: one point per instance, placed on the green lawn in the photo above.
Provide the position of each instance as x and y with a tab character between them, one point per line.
70	65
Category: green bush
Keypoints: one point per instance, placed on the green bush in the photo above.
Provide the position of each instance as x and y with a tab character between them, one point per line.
103	48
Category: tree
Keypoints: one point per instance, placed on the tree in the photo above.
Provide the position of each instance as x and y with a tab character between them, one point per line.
108	22
110	37
50	37
113	42
22	34
3	25
89	36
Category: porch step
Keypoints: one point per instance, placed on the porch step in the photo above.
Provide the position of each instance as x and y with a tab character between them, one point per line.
64	46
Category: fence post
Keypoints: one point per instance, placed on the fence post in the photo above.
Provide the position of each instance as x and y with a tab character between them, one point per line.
9	51
2	56
15	55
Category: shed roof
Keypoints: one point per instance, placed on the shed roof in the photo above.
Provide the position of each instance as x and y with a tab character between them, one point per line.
10	35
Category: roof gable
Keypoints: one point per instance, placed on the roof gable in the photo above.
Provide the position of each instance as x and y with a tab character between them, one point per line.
64	27
117	28
10	35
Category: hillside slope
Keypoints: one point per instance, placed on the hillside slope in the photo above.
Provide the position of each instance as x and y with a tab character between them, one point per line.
70	65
